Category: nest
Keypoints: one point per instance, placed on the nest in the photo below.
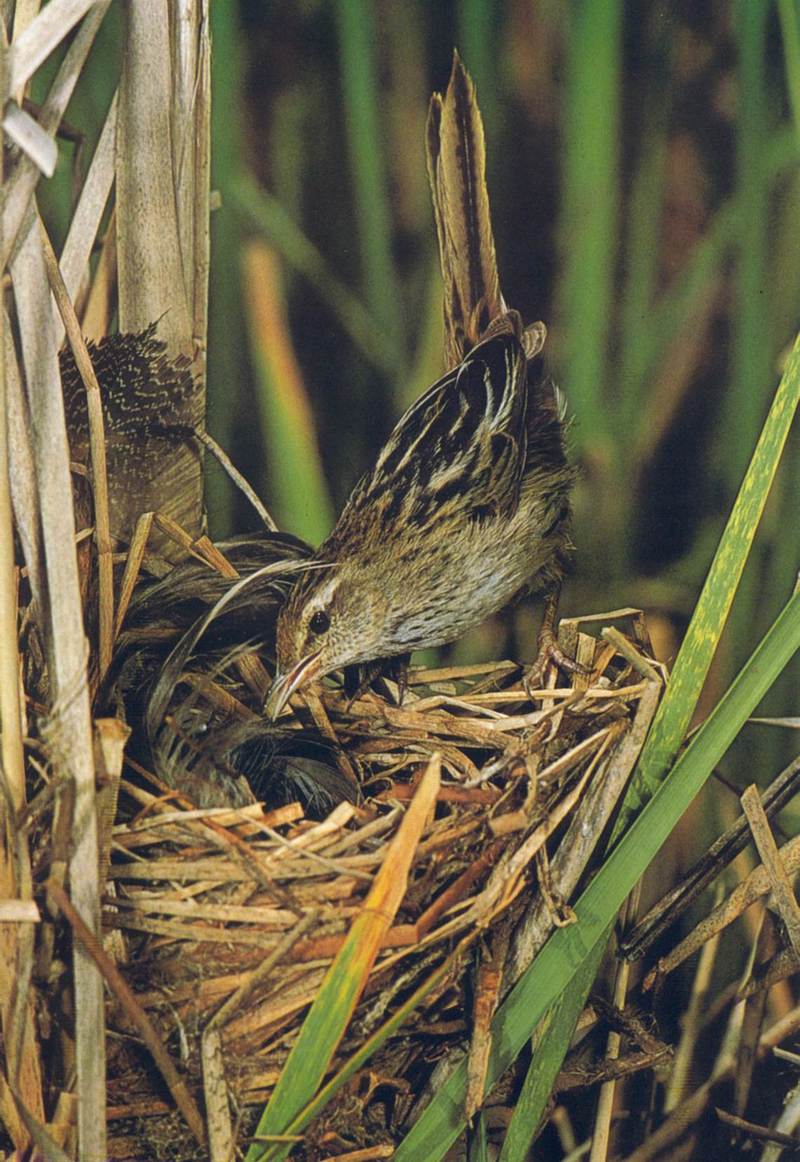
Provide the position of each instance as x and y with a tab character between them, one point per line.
467	814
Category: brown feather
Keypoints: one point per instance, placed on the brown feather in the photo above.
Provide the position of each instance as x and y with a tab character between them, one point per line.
457	169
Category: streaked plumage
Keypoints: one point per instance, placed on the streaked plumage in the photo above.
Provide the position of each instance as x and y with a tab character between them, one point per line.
468	501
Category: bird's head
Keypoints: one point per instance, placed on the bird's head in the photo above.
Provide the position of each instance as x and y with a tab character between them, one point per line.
327	623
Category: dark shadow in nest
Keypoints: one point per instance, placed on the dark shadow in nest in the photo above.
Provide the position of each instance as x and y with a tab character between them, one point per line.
178	679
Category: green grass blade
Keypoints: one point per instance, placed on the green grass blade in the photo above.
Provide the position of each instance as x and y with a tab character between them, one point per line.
565	954
752	359
691	667
642	259
364	101
344	981
702	637
263	212
588	228
298	491
373	1043
226	328
790	32
550	1043
478	1145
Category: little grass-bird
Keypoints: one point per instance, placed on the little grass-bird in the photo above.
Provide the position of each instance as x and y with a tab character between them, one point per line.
468	501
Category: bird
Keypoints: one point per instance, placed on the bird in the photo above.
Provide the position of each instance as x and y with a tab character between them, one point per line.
468	501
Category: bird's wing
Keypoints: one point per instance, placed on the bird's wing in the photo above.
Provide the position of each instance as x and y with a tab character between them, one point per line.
462	444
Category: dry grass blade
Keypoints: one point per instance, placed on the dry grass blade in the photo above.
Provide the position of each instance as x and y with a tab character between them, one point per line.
85	222
13	759
42	35
111	736
133	564
22	473
227	465
22	183
472	860
757	884
671	906
782	890
588	824
28	135
487	996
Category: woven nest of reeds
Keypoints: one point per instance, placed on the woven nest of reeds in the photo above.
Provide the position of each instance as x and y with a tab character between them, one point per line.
470	814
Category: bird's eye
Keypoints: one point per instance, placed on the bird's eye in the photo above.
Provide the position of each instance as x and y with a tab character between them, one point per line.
320	622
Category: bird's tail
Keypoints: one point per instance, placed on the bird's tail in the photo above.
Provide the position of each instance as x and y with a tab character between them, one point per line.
457	168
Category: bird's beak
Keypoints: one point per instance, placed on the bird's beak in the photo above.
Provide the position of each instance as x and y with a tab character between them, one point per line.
284	685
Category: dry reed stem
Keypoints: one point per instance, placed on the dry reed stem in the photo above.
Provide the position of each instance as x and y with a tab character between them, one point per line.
752	1013
60	615
94	407
753	1130
153	281
201	171
16	886
151	276
689	1112
221	1138
601	1134
691	1026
